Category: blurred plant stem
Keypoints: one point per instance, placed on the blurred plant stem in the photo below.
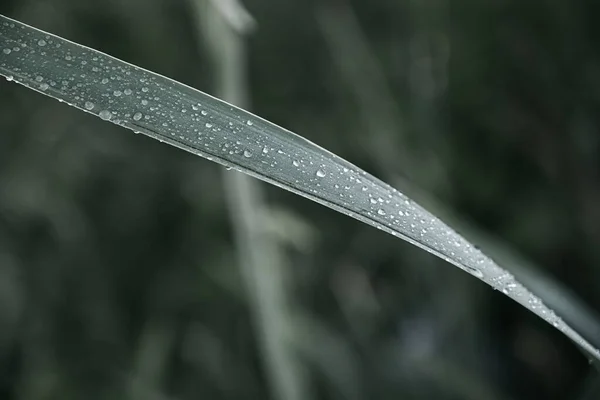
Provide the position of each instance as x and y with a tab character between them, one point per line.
151	365
224	24
378	107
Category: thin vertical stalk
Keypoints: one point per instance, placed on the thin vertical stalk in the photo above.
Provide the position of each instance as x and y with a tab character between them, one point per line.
151	361
225	24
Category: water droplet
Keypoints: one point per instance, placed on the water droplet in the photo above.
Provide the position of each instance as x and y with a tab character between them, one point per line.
373	201
380	212
117	93
6	51
89	105
105	115
320	173
208	125
247	154
44	86
297	164
204	112
41	42
265	150
145	89
144	102
127	92
104	80
249	123
137	116
476	272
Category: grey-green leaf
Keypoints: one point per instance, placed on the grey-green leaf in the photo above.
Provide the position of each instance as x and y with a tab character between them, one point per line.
201	124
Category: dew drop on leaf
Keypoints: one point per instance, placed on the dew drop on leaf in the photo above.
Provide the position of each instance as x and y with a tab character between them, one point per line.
105	115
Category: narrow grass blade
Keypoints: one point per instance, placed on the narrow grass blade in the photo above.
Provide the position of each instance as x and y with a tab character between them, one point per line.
201	124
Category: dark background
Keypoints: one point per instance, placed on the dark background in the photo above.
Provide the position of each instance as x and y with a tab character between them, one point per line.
118	269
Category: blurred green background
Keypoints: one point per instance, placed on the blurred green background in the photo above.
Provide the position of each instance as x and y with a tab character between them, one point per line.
119	266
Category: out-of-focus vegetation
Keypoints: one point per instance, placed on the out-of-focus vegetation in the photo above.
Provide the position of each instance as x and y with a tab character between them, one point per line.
118	269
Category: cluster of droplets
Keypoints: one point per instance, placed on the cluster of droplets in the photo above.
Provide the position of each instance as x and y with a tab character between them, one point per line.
504	282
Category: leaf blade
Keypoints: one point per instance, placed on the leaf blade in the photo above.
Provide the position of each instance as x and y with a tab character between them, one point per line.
194	121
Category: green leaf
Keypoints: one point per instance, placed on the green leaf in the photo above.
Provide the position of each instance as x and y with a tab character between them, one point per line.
184	117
